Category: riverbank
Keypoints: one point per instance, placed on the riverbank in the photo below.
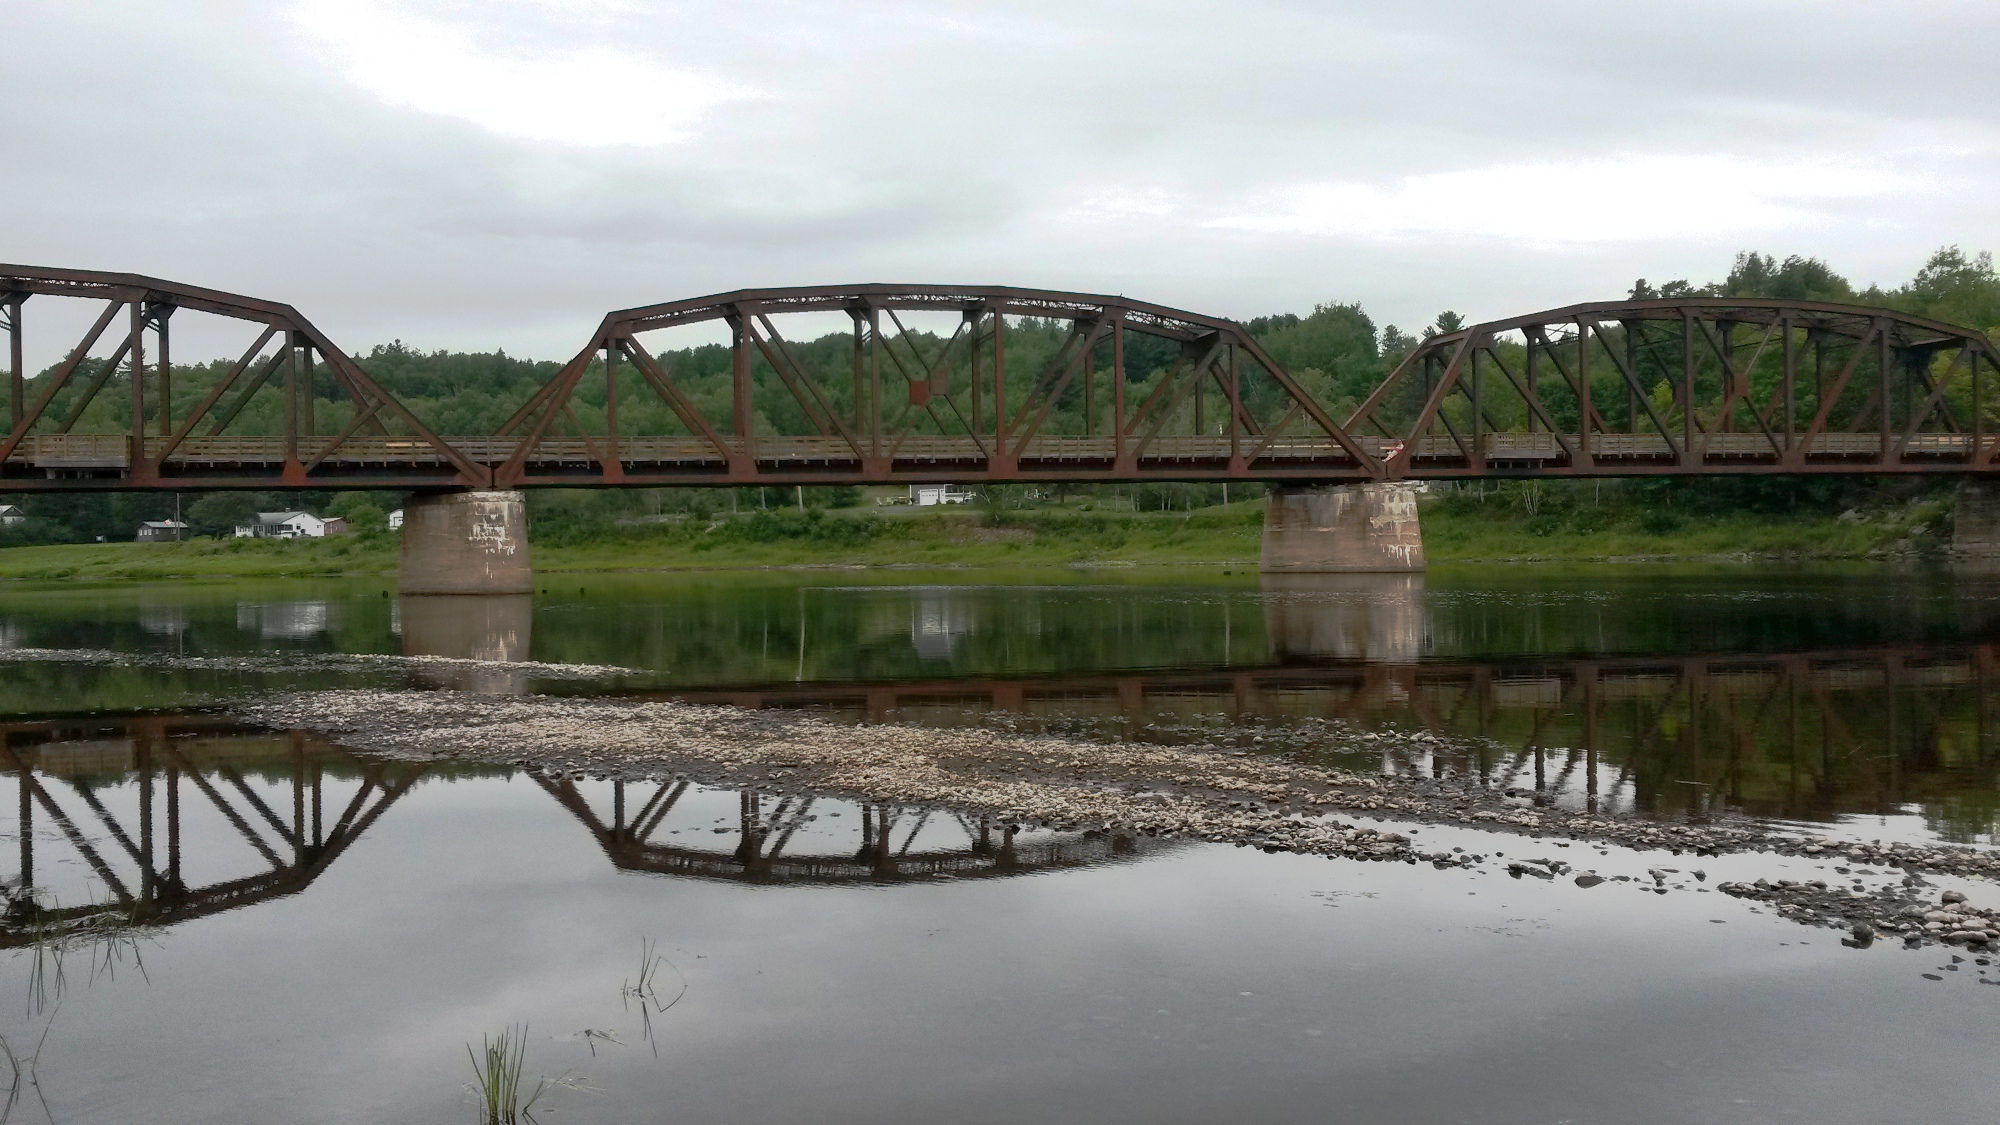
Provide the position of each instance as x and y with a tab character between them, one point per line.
1223	535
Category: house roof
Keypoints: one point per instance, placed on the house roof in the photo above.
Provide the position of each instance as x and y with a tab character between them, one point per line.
161	523
282	517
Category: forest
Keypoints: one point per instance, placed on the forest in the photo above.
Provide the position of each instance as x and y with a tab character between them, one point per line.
1336	352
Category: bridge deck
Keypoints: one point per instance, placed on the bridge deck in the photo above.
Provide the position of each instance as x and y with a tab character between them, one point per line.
105	460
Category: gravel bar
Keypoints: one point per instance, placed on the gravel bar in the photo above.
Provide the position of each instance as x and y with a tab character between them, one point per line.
1236	796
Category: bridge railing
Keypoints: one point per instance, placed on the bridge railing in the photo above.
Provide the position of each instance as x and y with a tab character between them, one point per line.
82	452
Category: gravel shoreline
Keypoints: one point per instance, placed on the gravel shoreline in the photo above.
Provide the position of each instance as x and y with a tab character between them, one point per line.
1210	794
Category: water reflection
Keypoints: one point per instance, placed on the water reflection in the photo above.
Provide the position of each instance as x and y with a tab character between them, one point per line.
810	839
175	819
1346	616
287	621
1811	735
1666	692
494	629
153	821
939	619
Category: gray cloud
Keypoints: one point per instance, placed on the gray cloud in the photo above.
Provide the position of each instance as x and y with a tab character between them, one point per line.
1238	160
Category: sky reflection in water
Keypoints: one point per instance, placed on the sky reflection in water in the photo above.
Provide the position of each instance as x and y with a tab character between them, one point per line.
873	963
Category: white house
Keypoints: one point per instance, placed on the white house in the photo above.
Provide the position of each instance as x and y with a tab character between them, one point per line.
926	495
285	525
396	519
12	514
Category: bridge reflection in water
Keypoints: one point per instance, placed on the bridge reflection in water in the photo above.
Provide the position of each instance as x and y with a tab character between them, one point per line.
150	822
174	819
1809	734
808	839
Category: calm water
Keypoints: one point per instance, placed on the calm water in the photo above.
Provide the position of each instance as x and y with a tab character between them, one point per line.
325	932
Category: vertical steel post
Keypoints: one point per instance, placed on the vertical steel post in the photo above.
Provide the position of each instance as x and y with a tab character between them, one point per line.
306	427
860	417
739	381
1687	387
1725	422
1235	413
972	360
1791	378
1118	389
1200	396
1631	328
1818	341
1978	426
874	381
611	403
137	361
1477	402
291	396
999	380
1533	372
166	394
1883	361
18	381
1090	391
1584	408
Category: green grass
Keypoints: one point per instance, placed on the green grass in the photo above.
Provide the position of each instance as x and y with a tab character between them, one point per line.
215	558
1455	529
947	539
1463	529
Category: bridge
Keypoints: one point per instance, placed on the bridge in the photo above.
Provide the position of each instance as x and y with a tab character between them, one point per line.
926	388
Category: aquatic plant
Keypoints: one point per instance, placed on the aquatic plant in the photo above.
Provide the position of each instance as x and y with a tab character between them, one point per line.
645	992
22	1076
107	940
498	1071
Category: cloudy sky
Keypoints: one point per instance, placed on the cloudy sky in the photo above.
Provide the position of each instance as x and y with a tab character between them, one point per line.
500	172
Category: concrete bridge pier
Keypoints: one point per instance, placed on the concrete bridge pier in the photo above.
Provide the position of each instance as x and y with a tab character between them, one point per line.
1975	534
465	543
1337	529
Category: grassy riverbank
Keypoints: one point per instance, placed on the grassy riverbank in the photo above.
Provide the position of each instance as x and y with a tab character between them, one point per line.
1457	527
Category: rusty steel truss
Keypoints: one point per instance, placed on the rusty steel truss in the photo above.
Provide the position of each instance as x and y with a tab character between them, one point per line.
378	444
1689	386
1677	386
924	408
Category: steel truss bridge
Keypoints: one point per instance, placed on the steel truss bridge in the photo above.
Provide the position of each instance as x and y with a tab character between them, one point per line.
1627	388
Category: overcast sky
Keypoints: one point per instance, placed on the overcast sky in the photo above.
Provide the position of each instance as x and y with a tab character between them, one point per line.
498	173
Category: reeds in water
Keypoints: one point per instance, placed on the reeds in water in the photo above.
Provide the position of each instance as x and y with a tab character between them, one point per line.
645	990
498	1070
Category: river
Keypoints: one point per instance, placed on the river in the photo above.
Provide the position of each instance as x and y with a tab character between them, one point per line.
214	921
